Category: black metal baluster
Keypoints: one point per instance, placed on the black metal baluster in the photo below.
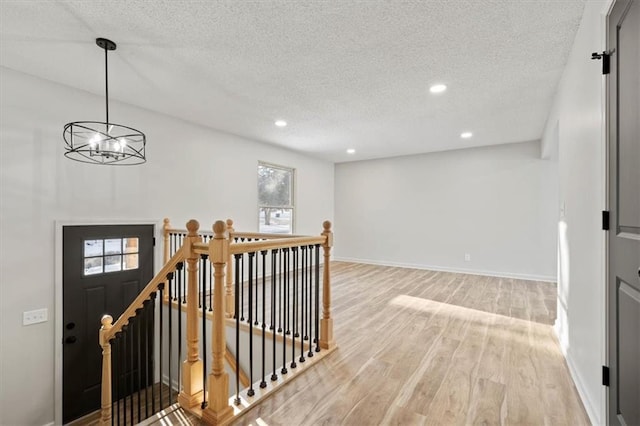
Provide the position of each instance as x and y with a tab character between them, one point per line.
305	272
241	286
201	290
160	351
211	290
250	392
143	376
115	412
184	282
204	275
237	258
317	311
294	327
310	308
256	292
263	383
279	316
169	338
180	268
274	253
131	353
150	349
137	327
303	302
287	292
284	273
125	386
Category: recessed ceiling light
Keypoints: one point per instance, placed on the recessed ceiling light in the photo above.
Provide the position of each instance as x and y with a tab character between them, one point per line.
466	135
281	123
351	151
437	88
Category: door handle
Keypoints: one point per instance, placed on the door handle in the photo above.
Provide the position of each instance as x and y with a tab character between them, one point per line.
70	339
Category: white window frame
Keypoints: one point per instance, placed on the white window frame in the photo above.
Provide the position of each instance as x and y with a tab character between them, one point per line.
292	206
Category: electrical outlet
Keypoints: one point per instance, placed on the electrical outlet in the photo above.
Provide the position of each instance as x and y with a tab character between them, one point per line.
34	317
467	257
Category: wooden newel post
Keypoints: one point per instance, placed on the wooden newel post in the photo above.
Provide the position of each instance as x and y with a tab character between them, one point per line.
229	301
218	410
105	416
165	238
192	385
326	324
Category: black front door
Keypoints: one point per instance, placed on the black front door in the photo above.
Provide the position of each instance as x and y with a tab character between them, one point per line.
104	268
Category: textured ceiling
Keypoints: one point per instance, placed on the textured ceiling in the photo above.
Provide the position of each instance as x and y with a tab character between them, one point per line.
343	74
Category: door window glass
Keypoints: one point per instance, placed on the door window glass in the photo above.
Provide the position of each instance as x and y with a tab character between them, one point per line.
110	255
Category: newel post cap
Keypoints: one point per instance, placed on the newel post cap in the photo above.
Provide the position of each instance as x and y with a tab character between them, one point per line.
327	231
107	321
219	228
192	227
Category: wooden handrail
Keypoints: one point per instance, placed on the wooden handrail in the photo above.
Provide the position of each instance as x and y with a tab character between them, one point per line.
201	248
253	246
161	276
166	228
235	234
231	360
185	231
263	235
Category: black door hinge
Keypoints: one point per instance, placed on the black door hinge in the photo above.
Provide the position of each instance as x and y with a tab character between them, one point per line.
605	375
154	241
606	57
605	220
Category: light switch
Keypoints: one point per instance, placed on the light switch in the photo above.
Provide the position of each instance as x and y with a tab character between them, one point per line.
34	317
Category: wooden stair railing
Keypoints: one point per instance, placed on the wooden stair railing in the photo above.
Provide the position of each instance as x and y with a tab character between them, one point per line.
110	331
294	270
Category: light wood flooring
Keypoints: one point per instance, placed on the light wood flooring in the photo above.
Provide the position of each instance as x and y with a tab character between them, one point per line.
422	347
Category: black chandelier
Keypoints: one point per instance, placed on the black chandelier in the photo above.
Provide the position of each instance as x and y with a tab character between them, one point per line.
98	142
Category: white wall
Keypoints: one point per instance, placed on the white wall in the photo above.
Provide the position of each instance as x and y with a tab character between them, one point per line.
192	172
496	203
577	118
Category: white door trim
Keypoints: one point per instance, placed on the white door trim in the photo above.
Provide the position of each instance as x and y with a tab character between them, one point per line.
57	323
604	394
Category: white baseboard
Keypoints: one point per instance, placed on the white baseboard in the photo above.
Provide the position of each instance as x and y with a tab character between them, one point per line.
594	414
530	277
174	383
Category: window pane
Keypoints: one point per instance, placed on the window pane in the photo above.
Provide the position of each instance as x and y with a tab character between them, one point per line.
92	248
112	263
130	261
275	221
93	265
130	245
113	246
274	186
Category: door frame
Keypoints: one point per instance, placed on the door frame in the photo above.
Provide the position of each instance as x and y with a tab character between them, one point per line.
604	394
58	305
